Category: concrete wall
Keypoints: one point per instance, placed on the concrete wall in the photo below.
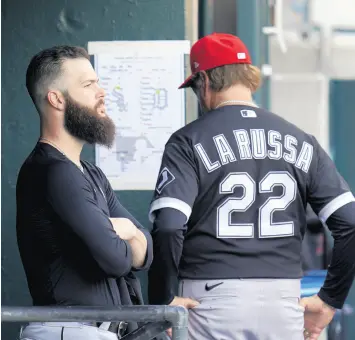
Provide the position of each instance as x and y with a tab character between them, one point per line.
337	13
300	80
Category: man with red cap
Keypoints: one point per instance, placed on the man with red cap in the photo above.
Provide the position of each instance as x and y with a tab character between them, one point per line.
229	211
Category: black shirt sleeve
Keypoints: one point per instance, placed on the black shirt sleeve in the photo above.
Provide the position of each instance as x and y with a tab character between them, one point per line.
330	197
174	196
177	183
341	272
71	197
168	235
118	210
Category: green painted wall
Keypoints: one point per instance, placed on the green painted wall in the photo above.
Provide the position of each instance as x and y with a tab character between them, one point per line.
251	17
342	142
342	124
27	27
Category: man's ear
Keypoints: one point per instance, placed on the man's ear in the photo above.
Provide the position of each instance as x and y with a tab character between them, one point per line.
206	82
56	99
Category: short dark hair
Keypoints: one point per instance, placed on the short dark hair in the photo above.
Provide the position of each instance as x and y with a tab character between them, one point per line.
46	66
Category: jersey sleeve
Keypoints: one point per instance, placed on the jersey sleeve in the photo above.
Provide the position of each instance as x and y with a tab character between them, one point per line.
327	189
341	271
177	183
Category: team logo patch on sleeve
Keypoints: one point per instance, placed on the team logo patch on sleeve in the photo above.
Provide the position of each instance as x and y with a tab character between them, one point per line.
164	179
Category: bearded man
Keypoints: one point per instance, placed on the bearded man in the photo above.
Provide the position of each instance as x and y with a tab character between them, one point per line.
79	246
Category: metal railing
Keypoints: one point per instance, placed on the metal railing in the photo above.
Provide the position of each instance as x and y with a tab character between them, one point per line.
156	319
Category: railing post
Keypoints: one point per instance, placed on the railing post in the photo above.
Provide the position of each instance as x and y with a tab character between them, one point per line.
179	318
163	317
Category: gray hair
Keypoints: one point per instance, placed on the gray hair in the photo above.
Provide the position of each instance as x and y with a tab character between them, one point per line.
223	77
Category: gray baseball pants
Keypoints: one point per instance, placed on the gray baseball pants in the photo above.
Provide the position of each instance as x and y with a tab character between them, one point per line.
245	309
65	331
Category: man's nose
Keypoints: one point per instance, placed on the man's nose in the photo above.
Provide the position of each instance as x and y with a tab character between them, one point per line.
101	93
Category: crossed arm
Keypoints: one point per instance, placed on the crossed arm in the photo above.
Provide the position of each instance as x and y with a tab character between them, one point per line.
77	207
128	231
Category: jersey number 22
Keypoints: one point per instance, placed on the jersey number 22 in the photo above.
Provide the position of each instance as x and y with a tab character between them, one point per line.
267	228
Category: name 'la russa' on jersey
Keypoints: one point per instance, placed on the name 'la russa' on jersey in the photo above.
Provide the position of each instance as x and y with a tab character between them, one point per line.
257	144
242	176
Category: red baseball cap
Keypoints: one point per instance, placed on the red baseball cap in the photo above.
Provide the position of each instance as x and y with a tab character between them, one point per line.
216	49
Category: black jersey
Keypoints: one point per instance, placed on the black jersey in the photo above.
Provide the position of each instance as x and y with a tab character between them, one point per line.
242	176
70	252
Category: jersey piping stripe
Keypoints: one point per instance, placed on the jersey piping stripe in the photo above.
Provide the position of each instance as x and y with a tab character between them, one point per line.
169	202
335	204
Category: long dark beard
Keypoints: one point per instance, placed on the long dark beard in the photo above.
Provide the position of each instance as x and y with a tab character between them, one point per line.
83	123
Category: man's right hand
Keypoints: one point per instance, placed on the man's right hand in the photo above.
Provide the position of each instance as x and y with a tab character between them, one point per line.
124	228
185	302
317	316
